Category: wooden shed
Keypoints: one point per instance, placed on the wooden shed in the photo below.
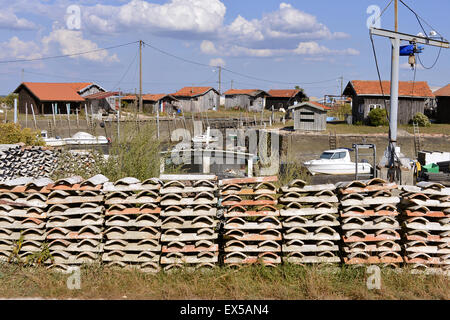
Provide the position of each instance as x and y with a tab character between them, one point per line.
197	99
152	102
443	104
413	97
310	116
283	98
245	98
43	95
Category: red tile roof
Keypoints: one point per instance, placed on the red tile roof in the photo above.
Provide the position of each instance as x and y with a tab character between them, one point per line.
241	91
319	105
406	88
311	103
101	95
283	93
443	92
149	97
192	91
53	91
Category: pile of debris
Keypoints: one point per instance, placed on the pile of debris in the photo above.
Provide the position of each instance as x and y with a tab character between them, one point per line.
252	228
310	224
22	219
426	217
18	161
369	222
133	224
189	226
75	221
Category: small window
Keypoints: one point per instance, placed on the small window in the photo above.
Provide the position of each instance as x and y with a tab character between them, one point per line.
306	120
374	106
327	155
307	113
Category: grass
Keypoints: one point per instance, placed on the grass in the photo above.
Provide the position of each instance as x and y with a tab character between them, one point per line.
253	282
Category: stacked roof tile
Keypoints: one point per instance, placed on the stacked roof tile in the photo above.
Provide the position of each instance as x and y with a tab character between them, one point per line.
133	224
252	230
370	228
310	224
426	228
75	221
35	162
189	226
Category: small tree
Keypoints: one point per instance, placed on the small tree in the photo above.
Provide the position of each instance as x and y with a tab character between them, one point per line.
421	120
378	117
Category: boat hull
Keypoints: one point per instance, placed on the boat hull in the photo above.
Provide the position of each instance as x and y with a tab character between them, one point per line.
338	168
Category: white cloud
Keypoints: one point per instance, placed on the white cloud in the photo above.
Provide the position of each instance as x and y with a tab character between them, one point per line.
286	31
218	62
72	41
8	20
208	47
18	49
176	16
308	49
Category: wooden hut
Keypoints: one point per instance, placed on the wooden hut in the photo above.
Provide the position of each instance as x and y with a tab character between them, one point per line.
413	97
197	99
443	104
310	116
245	98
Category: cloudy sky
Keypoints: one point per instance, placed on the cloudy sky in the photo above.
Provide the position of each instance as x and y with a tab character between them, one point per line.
260	43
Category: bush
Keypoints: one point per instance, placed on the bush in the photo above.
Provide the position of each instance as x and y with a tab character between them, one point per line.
421	120
378	117
13	133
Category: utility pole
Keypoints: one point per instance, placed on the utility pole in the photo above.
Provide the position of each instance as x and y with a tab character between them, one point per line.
231	84
395	38
342	85
140	76
220	80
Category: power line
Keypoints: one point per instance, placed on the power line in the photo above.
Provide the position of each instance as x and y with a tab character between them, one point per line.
68	55
231	71
126	72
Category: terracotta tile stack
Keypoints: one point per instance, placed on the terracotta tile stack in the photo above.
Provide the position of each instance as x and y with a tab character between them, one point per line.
23	212
370	227
310	224
426	226
133	224
252	230
75	221
189	223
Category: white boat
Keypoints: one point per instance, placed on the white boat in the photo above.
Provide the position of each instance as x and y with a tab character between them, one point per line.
336	162
52	142
80	138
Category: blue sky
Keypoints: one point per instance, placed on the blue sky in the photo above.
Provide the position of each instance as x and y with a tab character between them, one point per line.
309	43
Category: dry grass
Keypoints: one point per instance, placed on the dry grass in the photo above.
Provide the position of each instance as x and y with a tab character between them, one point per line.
286	283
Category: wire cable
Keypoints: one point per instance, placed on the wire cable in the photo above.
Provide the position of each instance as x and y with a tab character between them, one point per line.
68	55
231	71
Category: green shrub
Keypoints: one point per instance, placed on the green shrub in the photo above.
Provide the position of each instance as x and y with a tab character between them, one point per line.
421	120
13	133
378	117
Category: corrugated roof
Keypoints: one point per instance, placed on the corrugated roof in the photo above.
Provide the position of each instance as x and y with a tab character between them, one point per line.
192	91
443	92
54	91
406	88
101	95
286	93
